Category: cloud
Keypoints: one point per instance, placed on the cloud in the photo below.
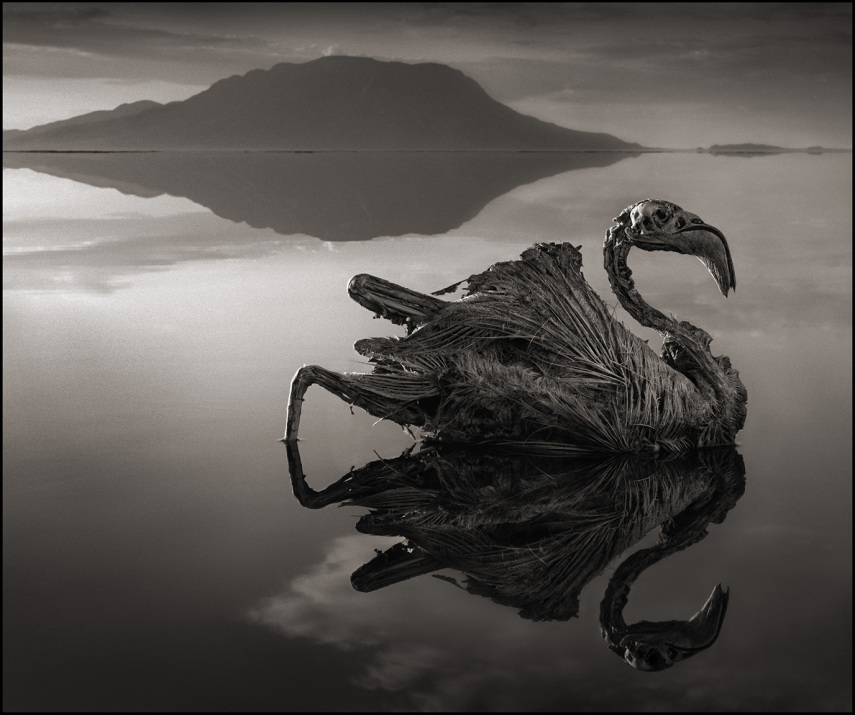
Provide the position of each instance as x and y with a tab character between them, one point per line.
449	651
464	651
51	17
118	248
95	30
58	41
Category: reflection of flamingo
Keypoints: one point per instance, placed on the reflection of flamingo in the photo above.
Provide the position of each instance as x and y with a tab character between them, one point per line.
531	353
530	531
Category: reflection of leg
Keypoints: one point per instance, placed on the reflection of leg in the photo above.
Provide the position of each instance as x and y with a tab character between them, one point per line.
374	478
393	395
307	496
396	303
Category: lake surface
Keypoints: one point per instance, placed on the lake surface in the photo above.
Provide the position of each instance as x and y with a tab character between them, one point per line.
155	309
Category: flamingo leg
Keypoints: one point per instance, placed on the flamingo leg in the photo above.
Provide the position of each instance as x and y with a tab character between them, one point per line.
380	395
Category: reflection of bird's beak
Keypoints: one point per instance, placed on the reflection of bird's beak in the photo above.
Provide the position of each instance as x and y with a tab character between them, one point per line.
685	637
710	618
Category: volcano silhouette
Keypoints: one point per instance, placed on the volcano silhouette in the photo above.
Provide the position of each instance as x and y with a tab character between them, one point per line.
332	103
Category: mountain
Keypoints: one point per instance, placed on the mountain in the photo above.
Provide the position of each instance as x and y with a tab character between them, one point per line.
332	103
123	110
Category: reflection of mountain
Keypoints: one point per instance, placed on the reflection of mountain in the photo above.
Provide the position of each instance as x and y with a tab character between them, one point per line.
332	103
530	531
335	196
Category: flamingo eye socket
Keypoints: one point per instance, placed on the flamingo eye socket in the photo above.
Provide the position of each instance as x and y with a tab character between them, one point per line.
653	658
680	222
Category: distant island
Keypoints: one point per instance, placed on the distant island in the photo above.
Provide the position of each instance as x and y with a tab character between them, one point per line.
332	103
756	149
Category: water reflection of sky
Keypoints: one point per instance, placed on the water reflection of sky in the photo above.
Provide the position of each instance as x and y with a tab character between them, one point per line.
781	248
148	347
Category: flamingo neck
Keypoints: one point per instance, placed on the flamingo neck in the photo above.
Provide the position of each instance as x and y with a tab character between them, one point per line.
685	348
615	250
693	343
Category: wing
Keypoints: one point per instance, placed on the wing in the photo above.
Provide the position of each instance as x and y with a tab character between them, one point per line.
531	349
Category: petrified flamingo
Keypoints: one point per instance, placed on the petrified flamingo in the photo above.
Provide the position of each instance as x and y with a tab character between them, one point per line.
532	354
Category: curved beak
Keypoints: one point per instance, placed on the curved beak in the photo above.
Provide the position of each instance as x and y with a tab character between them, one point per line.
652	226
702	227
710	246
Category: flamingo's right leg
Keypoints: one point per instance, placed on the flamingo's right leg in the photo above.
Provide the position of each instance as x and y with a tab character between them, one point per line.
393	396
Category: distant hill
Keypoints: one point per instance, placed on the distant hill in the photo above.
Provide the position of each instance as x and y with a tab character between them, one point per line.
750	149
332	103
747	148
123	110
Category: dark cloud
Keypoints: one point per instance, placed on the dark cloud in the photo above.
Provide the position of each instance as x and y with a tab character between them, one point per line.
619	31
89	29
791	59
48	16
87	36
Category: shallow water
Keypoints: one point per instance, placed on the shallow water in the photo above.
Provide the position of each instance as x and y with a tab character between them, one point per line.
154	554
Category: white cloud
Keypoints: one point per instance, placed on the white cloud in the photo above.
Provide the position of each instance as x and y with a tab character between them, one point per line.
400	631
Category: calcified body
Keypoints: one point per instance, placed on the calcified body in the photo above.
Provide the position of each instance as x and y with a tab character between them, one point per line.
531	353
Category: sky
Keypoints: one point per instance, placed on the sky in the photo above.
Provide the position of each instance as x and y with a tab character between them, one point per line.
676	75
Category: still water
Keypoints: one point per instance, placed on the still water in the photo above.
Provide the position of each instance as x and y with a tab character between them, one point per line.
155	309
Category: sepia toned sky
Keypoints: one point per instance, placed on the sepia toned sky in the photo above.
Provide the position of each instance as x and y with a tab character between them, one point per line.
675	75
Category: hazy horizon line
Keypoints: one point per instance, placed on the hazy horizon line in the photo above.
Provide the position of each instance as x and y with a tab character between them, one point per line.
639	150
